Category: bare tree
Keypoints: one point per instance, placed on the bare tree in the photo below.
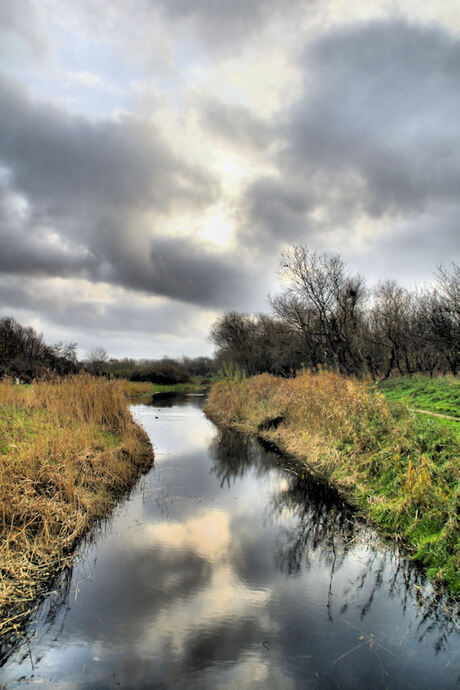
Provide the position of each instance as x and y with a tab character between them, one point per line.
327	317
442	312
391	326
96	360
321	295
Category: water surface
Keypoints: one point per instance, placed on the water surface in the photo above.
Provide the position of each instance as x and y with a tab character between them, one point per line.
225	568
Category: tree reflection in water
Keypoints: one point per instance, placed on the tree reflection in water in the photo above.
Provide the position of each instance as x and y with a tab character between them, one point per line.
322	527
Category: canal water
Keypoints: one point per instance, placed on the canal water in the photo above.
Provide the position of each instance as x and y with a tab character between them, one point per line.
227	568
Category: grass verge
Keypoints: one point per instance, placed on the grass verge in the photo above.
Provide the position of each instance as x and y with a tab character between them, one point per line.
402	472
440	395
68	450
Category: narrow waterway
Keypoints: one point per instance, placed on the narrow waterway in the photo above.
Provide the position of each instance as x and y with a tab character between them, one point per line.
225	568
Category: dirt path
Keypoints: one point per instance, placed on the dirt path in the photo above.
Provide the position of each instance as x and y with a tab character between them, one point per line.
435	414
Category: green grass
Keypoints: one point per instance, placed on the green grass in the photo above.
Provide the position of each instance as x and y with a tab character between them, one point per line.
440	395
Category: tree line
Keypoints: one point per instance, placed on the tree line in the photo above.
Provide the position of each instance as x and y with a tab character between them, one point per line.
166	370
327	317
25	356
324	317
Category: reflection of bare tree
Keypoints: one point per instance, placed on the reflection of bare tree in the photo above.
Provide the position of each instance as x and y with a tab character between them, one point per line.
323	523
315	524
435	612
234	454
324	526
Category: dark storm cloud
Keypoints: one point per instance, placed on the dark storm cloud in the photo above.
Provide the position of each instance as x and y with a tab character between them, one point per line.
90	183
375	131
68	310
187	270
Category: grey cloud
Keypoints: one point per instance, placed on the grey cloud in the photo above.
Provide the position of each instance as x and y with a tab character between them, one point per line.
383	104
28	249
61	161
276	212
221	20
412	250
23	31
374	134
91	183
236	124
189	270
73	311
219	23
201	27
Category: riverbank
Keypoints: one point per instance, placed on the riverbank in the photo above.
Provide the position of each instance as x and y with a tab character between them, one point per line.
139	389
68	451
402	473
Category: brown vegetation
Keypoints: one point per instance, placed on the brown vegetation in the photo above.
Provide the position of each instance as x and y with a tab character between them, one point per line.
67	451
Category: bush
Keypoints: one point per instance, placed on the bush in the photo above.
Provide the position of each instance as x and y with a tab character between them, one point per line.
164	374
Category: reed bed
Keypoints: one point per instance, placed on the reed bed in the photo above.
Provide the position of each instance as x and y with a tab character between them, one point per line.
68	449
402	473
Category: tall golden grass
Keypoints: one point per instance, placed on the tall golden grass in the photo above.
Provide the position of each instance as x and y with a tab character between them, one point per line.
67	450
403	475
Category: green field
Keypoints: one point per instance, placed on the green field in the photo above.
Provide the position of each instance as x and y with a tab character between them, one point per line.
440	395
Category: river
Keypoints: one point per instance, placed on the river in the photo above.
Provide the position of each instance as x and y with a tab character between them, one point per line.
226	567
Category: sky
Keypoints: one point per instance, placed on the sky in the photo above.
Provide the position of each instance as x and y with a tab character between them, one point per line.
157	156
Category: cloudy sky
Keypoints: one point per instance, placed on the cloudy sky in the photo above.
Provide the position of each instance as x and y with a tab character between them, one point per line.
156	156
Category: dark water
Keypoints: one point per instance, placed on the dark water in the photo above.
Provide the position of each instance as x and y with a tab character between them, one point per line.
224	569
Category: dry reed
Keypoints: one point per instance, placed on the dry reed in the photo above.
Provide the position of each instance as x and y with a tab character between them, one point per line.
67	450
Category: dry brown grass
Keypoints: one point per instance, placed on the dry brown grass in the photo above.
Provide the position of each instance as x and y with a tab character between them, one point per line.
322	407
138	388
67	450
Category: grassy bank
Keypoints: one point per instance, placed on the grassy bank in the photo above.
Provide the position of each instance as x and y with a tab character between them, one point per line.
68	450
401	472
440	395
137	389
